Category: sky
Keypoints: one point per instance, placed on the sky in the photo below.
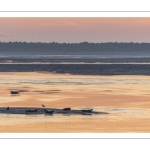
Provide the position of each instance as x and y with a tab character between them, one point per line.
74	30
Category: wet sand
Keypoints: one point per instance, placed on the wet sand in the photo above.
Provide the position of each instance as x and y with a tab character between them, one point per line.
125	98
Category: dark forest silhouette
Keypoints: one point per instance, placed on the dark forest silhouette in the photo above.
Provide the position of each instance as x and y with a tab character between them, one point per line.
55	48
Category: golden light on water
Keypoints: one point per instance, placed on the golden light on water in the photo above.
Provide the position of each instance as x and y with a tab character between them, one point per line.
125	98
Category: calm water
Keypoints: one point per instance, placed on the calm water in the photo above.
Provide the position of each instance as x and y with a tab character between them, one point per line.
87	81
82	69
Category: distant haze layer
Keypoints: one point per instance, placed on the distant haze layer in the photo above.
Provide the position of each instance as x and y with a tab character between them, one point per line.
74	30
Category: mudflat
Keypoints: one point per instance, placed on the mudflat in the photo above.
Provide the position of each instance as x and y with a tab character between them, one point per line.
126	99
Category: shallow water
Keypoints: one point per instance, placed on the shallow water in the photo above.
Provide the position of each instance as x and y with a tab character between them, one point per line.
125	98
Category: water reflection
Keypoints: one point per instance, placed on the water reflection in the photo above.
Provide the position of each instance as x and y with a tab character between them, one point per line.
17	119
84	89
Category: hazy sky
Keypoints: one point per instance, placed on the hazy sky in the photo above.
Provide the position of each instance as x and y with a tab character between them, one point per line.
75	29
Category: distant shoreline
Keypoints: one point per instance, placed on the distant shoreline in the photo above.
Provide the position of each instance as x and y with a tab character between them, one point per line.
74	63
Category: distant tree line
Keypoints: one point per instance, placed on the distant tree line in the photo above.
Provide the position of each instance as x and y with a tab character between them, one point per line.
73	48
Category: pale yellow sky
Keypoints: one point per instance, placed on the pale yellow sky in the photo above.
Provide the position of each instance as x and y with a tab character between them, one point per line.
74	30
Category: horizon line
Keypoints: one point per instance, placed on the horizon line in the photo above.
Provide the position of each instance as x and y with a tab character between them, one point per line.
78	42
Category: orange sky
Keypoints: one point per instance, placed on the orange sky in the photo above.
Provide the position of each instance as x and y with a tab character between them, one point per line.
75	29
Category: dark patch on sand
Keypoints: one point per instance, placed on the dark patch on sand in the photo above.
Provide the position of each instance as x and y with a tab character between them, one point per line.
47	92
38	91
26	87
23	91
108	90
55	90
18	90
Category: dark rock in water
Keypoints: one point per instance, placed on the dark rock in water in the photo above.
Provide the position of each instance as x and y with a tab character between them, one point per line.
14	92
67	108
87	110
7	108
